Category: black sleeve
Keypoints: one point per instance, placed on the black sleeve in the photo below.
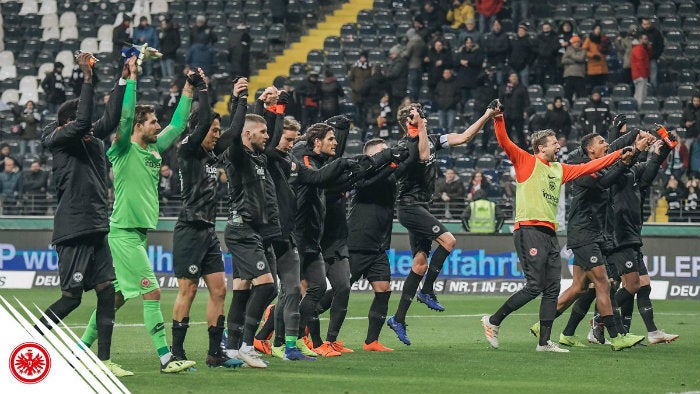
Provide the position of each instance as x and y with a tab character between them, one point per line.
68	133
626	139
650	169
325	176
275	130
611	175
232	136
194	140
109	121
258	108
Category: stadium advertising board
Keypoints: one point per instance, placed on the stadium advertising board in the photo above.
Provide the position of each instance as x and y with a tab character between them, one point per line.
482	264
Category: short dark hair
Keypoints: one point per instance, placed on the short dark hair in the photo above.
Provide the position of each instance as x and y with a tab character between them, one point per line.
141	113
67	111
372	143
587	140
255	118
317	131
539	137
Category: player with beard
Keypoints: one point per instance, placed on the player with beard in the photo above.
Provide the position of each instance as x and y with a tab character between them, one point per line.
81	223
196	248
415	190
136	159
539	178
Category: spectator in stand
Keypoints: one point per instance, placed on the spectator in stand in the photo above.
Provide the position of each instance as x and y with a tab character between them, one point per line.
396	76
438	58
657	47
486	91
596	116
640	67
566	31
597	46
522	53
35	183
481	215
574	62
693	187
497	48
121	36
168	191
76	80
144	33
558	119
547	55
623	45
201	55
470	30
515	101
380	118
29	119
5	153
563	154
674	194
677	162
239	41
450	190
201	32
535	120
357	77
10	187
169	41
421	29
447	97
478	182
691	118
331	92
414	52
694	156
469	60
54	86
375	88
278	10
460	12
167	108
488	10
309	91
433	15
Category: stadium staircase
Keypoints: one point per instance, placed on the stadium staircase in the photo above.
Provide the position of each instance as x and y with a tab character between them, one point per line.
314	39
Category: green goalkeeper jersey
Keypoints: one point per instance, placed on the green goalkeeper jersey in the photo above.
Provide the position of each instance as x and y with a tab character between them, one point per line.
137	170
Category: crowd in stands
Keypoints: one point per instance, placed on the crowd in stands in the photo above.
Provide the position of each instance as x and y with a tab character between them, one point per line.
567	68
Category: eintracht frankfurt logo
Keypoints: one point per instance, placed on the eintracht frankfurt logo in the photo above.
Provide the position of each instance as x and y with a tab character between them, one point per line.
30	363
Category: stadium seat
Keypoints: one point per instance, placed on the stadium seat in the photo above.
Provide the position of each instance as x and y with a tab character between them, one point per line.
51	33
666	9
348	30
28	84
687	9
29	7
331	43
463	163
7	58
68	19
28	96
365	16
105	46
66	57
650	104
627	106
686	91
583	11
44	69
554	91
89	45
691	24
676	36
48	7
10	96
561	12
672	104
50	20
651	118
8	72
645	10
315	57
534	91
69	33
486	162
159	7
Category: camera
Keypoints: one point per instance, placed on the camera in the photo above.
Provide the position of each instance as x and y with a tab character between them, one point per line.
421	113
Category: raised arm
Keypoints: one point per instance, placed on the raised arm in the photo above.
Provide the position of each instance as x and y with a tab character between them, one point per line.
70	133
109	121
573	171
467	135
233	133
523	162
178	123
341	129
122	143
194	140
651	168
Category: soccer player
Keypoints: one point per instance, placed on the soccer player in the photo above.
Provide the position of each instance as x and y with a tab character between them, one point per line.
81	223
415	190
628	201
196	248
586	237
539	179
253	217
369	236
135	158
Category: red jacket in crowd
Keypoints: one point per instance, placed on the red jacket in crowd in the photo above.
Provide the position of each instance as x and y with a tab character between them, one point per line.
488	8
639	61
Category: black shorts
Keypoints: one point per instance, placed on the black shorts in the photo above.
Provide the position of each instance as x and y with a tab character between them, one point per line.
628	260
372	266
247	252
588	256
196	251
423	227
84	262
538	252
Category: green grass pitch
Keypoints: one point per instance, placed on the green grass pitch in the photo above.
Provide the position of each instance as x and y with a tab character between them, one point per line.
449	354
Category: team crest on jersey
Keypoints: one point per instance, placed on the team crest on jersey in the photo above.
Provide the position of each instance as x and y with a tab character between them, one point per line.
594	259
628	264
260	265
533	252
552	185
145	282
193	269
436	229
77	277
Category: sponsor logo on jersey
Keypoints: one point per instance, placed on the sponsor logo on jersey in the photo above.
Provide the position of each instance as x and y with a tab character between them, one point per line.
594	259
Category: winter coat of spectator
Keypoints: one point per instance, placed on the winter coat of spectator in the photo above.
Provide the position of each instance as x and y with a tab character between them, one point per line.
54	86
566	31
460	12
239	50
293	107
558	119
657	45
201	56
309	92
381	117
10	186
4	154
414	52
439	58
596	116
396	74
469	62
547	47
487	9
574	62
29	119
623	45
478	182
597	46
419	25
470	30
35	185
331	92
121	36
675	193
449	187
447	97
144	33
358	76
678	160
694	156
522	53
433	15
76	80
376	87
169	41
515	101
691	117
496	46
640	67
201	32
486	89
